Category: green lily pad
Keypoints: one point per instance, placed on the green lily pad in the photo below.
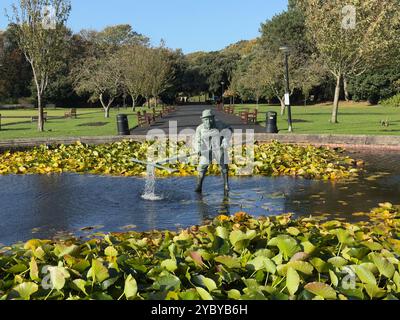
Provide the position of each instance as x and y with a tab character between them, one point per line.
26	289
322	290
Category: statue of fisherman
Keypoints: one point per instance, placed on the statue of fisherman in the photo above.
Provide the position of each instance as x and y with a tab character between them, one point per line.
212	143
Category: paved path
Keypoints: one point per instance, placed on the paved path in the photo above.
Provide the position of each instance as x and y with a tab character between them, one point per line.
189	117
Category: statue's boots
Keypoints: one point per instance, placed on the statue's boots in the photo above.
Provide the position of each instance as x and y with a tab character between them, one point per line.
199	187
225	175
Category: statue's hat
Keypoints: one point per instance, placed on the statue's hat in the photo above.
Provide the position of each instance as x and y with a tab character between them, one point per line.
208	114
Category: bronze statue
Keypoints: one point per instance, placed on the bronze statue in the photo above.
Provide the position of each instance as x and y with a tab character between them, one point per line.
211	143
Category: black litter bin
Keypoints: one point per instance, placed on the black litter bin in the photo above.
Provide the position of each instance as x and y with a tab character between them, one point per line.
123	125
272	118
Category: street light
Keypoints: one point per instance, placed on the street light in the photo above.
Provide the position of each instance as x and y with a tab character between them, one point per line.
286	52
223	90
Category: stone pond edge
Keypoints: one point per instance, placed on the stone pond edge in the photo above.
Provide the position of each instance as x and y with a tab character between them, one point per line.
366	142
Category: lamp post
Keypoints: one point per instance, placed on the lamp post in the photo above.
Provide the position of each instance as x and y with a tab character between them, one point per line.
223	90
286	52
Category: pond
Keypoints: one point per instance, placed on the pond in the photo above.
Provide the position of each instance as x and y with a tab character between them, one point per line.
35	206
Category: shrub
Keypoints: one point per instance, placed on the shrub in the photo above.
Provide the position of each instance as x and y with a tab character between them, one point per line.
392	102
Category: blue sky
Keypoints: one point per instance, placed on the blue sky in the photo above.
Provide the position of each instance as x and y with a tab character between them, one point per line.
191	25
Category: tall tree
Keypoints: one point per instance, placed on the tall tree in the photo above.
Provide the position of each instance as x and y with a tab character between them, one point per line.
351	35
41	35
101	78
133	64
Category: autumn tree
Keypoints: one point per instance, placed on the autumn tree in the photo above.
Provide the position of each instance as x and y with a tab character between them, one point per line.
41	36
351	36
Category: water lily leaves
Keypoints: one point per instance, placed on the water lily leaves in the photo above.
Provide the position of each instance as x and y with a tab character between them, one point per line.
189	295
33	270
130	289
98	272
58	275
32	244
197	258
204	295
384	266
222	232
320	265
18	268
26	289
374	291
61	250
300	256
229	261
322	290
343	236
396	280
208	283
80	284
234	294
110	251
292	281
167	282
286	244
170	265
338	262
261	263
366	276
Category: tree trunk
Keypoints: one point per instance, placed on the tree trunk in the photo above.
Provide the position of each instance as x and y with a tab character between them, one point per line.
133	104
40	109
106	107
346	89
335	109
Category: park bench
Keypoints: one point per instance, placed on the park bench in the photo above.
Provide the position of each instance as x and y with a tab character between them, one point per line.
142	119
157	113
71	113
150	117
36	118
244	115
252	117
168	109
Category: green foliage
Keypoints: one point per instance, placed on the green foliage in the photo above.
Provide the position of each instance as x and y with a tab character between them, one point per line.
188	265
392	102
376	84
273	159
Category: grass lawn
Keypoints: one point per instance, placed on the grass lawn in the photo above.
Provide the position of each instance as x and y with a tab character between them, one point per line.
90	122
354	118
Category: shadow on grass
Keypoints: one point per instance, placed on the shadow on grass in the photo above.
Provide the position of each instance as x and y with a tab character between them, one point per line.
16	129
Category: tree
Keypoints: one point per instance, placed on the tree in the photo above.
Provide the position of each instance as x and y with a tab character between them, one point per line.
41	35
133	63
159	72
101	78
351	36
15	71
120	35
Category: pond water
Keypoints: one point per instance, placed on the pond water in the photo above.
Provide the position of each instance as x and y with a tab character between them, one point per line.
34	206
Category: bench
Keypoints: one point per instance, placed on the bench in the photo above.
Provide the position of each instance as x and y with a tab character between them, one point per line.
157	113
36	118
150	117
252	117
142	120
71	113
